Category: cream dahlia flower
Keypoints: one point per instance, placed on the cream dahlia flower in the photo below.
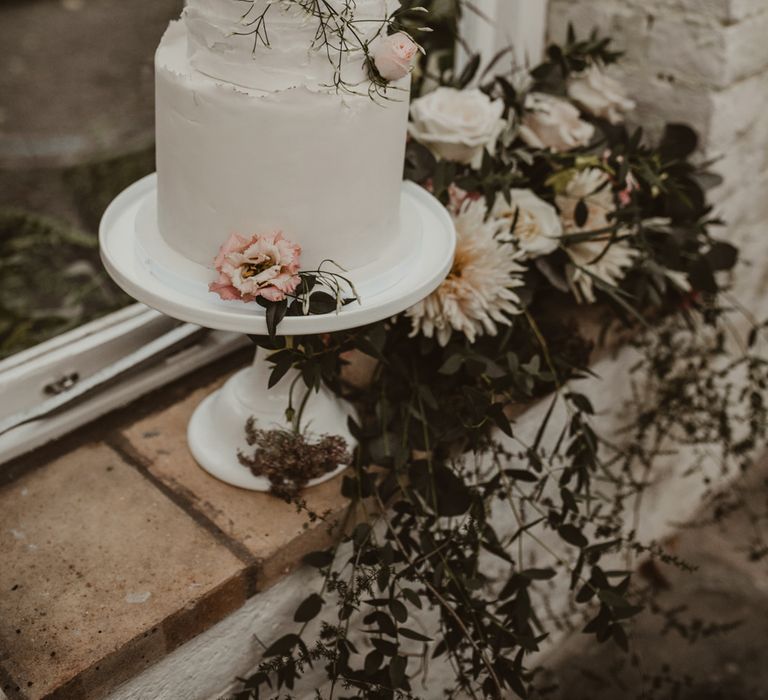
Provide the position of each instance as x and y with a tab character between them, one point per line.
477	294
589	259
537	228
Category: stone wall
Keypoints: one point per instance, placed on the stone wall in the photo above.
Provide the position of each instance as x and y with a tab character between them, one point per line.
702	62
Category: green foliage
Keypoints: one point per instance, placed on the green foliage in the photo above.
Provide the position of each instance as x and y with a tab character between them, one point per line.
572	57
430	573
412	582
51	280
320	291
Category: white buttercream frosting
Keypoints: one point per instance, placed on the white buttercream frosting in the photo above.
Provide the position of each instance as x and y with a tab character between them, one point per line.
323	167
223	43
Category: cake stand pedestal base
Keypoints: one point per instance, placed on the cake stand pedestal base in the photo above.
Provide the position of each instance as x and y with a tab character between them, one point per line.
216	430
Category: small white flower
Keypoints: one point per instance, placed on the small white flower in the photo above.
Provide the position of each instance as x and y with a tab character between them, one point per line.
553	123
599	94
477	294
537	227
457	124
590	259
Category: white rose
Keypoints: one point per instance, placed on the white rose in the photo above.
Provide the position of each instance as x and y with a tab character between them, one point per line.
457	124
593	187
599	94
537	229
554	123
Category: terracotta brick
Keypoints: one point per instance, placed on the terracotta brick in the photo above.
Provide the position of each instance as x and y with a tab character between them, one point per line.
274	533
101	574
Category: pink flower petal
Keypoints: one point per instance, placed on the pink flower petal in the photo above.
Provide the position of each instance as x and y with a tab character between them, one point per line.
226	291
271	294
234	244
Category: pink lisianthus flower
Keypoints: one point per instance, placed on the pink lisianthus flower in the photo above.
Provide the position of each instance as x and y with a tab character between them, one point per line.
261	266
394	55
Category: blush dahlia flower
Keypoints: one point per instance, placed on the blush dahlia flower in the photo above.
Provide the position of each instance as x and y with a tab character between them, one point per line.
478	292
261	266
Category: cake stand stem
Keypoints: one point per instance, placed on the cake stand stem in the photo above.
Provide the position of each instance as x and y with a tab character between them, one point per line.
216	432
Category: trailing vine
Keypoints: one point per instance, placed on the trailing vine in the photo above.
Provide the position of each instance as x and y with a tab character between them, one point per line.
463	525
339	34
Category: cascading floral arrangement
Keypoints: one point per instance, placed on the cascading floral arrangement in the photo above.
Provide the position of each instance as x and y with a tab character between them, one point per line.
559	208
544	179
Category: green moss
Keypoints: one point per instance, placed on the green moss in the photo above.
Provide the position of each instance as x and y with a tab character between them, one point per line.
95	185
51	279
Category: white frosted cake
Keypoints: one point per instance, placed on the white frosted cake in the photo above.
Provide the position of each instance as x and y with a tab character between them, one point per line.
254	138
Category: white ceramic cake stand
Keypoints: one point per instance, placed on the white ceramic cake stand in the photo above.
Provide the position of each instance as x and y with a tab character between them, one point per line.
137	258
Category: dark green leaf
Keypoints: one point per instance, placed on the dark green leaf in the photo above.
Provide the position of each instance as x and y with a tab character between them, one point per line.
620	637
373	662
309	608
275	313
722	256
678	142
581	213
521	475
398	610
282	646
397	669
321	303
538	574
319	559
572	535
452	364
385	647
411	634
469	72
412	597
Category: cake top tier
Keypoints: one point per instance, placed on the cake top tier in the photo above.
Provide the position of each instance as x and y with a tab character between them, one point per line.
279	44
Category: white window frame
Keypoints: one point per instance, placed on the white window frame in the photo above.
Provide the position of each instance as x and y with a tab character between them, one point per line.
59	385
488	26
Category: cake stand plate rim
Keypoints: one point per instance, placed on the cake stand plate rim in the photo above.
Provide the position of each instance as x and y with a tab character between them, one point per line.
117	238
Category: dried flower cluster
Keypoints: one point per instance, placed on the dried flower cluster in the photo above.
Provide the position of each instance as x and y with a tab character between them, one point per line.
290	460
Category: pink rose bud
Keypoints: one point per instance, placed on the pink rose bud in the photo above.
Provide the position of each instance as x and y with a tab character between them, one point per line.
394	55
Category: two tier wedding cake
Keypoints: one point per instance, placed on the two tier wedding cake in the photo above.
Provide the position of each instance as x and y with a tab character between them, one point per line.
271	116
